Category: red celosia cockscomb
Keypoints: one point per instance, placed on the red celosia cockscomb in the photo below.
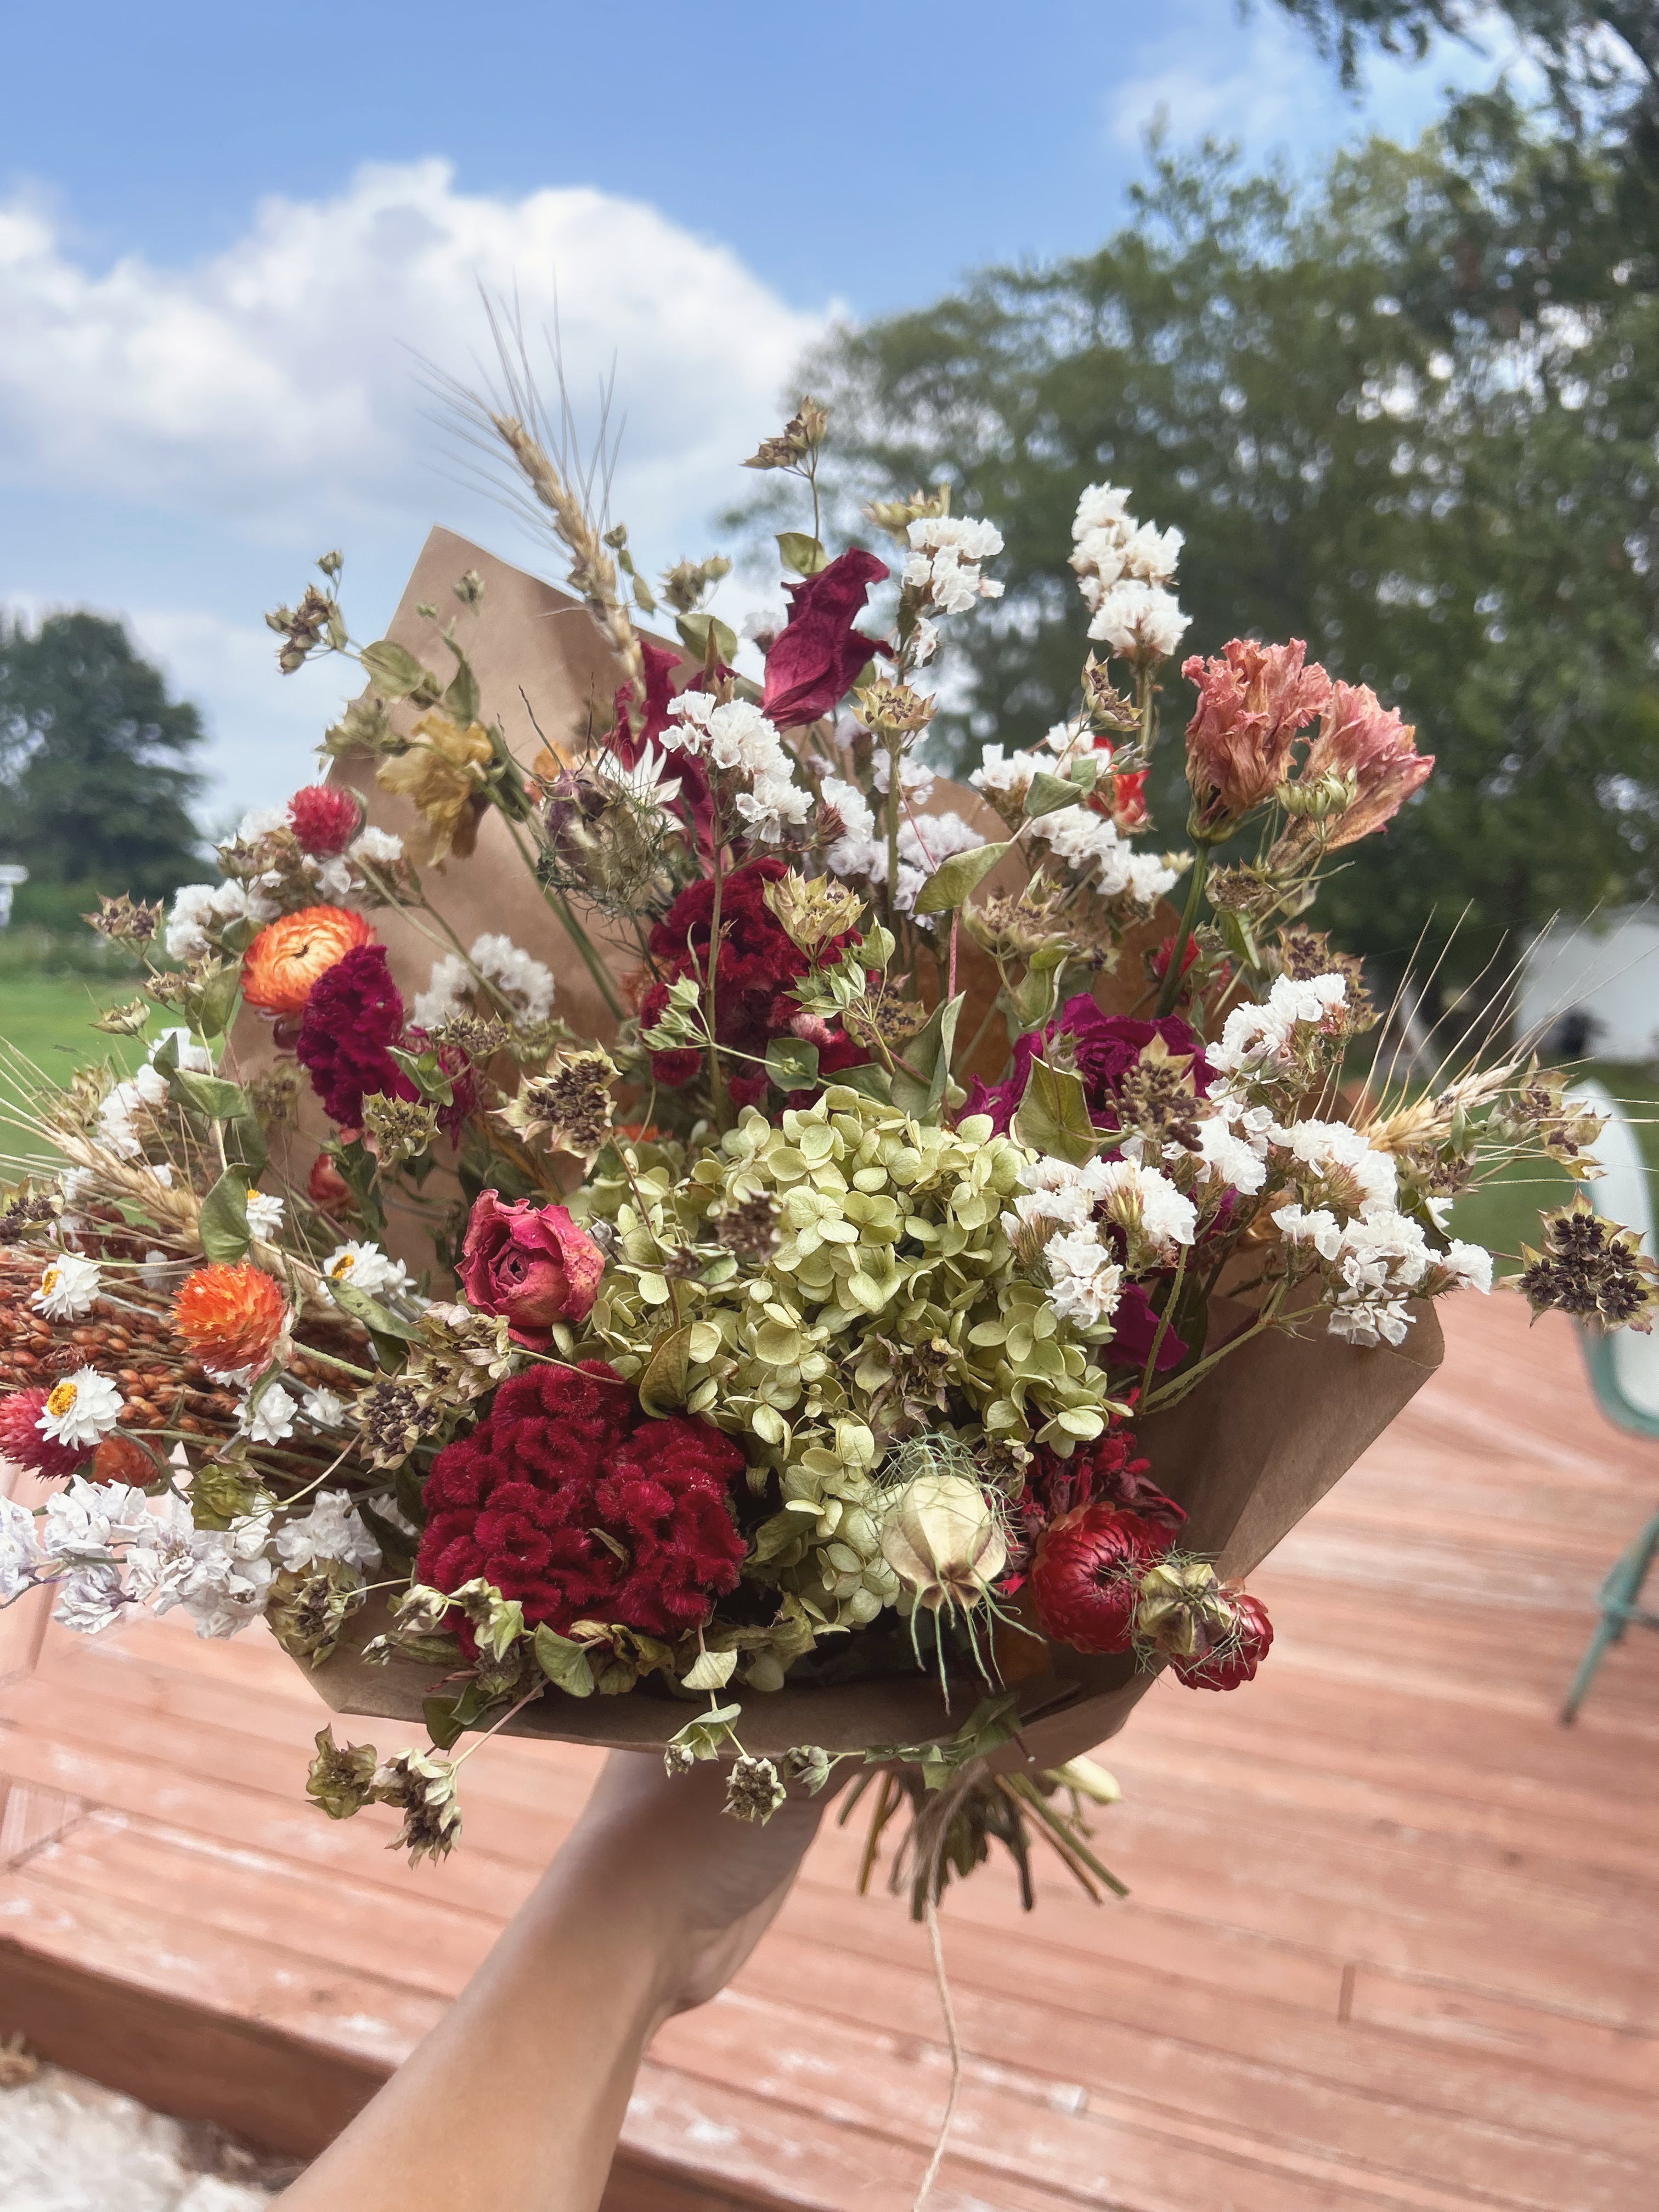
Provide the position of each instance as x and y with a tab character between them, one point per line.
22	1443
230	1317
324	817
354	1012
1252	704
563	1460
1085	1576
1235	1659
1361	739
759	964
288	957
818	653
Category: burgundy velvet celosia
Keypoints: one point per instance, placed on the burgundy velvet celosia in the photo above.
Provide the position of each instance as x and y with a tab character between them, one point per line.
563	1460
1103	1047
754	1000
818	653
1086	1575
23	1443
353	1012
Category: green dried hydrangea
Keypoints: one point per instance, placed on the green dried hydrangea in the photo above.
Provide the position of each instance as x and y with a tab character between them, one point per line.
890	1237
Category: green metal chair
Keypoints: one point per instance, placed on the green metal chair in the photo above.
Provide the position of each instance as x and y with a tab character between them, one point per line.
1624	1373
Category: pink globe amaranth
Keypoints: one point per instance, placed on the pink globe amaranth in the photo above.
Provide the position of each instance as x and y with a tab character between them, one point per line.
532	1264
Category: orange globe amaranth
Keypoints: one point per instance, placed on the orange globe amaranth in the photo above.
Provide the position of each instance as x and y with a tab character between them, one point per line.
288	956
231	1317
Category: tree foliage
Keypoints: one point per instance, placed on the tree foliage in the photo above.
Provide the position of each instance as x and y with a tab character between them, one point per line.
93	784
1402	415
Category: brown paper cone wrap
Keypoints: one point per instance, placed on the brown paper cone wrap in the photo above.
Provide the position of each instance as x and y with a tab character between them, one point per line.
1251	1449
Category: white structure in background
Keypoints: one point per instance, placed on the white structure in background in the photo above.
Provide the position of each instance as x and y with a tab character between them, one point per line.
1624	1192
10	880
1607	971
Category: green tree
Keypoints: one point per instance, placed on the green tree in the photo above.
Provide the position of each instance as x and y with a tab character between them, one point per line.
1368	446
93	788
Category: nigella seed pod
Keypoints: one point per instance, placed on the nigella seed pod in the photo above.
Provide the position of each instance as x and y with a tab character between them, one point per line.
943	1540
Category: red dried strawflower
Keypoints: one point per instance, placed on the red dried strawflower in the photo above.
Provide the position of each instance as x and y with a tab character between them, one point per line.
759	963
230	1317
1086	1574
1236	1660
327	1188
1105	1473
325	819
564	1459
22	1443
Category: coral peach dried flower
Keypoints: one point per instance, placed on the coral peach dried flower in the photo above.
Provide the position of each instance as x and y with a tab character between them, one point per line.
231	1317
1252	702
288	956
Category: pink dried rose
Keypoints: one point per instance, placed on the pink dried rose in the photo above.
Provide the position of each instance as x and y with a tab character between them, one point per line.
1360	738
530	1264
1252	703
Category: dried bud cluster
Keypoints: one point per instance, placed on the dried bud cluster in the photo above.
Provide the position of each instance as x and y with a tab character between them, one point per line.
396	1130
1591	1270
802	436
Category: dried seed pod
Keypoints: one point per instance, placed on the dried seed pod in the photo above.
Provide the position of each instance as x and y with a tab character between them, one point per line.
942	1539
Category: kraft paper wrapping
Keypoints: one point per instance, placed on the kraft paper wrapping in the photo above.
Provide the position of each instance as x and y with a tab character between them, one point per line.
1248	1452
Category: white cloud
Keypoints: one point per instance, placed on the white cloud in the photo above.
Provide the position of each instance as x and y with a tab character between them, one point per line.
1264	83
241	415
282	370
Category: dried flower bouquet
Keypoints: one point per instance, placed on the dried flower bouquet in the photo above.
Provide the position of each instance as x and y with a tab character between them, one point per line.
820	1336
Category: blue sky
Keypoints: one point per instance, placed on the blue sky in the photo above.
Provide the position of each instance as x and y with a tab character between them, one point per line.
223	230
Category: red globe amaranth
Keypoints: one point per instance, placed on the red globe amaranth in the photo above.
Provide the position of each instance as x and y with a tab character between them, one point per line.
759	964
1103	1048
325	819
1085	1576
530	1264
1236	1661
818	653
564	1459
353	1012
22	1443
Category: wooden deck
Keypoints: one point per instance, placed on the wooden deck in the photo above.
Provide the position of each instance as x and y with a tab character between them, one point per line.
1393	1941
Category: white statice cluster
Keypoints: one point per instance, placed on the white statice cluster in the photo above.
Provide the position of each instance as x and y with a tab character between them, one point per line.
1375	1263
739	738
199	908
1091	846
1375	1258
367	1268
944	567
104	1546
332	1529
1234	1141
1156	1218
1123	569
1086	1278
1264	1040
1086	843
269	1418
924	846
523	982
121	1117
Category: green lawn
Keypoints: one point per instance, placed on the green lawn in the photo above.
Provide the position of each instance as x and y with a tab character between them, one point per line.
48	1018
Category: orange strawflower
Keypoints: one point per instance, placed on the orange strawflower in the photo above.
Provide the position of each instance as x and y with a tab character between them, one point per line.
287	957
230	1317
